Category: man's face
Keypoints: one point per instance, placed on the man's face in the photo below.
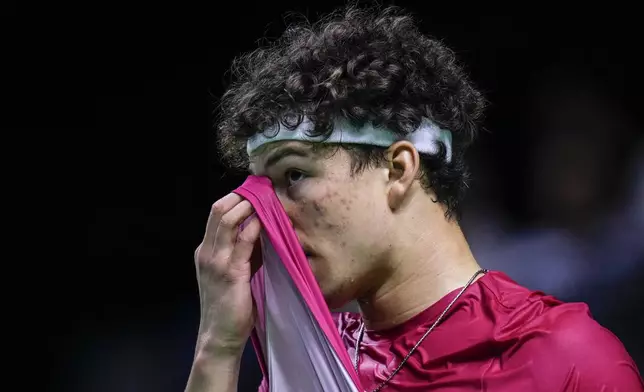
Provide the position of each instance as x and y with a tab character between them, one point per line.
341	220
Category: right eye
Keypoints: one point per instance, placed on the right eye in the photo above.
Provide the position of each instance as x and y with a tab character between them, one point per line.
293	177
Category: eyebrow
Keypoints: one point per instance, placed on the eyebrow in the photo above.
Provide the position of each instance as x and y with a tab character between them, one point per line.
286	151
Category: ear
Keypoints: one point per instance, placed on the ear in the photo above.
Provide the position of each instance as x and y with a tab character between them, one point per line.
404	165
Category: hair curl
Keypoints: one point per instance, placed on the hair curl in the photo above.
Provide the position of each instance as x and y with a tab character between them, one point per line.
365	65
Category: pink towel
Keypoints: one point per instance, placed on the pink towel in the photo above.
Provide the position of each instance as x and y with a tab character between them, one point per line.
295	338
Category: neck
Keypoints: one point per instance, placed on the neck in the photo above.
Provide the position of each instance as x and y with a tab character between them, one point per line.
423	268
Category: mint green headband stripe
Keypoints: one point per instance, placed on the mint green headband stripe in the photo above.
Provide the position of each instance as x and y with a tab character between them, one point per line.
425	138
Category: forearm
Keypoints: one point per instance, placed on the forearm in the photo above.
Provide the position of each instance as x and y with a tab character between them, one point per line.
211	373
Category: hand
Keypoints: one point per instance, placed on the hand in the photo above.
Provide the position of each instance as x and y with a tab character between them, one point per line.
224	271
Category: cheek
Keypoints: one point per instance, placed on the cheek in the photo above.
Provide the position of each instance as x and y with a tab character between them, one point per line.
338	216
327	210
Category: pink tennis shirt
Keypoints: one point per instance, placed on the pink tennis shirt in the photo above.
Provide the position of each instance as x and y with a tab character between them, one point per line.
498	337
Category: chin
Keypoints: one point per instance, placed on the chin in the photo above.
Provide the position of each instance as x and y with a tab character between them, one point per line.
338	305
330	290
333	298
332	303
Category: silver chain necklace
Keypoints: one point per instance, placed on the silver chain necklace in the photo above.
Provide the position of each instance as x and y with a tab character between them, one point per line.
438	320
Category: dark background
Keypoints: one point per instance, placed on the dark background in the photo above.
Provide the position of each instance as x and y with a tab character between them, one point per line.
120	95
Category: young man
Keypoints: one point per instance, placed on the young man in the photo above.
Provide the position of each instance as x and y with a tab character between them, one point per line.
361	124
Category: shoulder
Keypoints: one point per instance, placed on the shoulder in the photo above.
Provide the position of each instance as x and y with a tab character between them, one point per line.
586	354
565	347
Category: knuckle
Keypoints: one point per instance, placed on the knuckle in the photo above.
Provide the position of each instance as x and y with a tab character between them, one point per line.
228	221
213	266
218	271
217	208
246	238
226	276
202	260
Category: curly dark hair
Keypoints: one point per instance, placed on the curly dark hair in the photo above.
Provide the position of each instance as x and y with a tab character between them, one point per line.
364	65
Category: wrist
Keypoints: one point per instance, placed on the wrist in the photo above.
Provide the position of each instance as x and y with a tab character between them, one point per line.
209	348
214	371
223	360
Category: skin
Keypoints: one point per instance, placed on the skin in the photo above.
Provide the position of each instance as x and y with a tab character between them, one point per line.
375	236
395	268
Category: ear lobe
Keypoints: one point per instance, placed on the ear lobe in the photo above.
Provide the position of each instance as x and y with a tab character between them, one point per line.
404	164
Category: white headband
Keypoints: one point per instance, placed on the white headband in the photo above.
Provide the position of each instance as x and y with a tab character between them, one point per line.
425	138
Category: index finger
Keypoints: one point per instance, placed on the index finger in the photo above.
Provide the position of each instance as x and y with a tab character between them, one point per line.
218	209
